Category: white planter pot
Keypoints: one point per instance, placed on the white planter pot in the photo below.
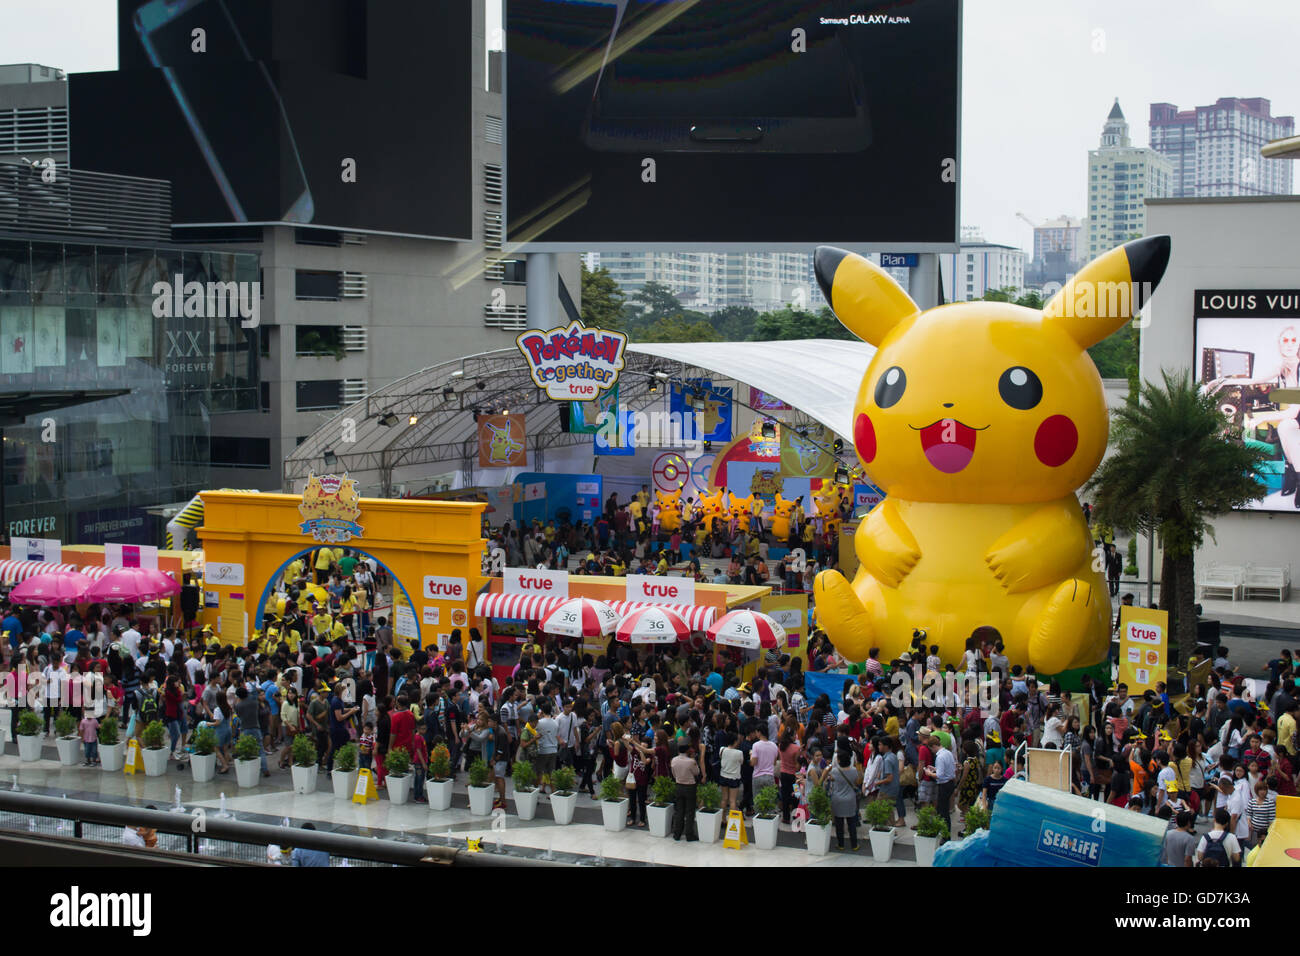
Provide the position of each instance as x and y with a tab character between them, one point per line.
248	772
203	767
304	778
112	757
819	839
765	831
440	794
882	844
155	761
562	806
70	753
708	822
614	813
526	803
399	788
661	820
925	847
480	801
345	783
29	748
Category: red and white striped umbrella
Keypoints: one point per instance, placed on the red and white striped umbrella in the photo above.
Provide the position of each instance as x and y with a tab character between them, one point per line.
652	625
747	629
51	590
581	617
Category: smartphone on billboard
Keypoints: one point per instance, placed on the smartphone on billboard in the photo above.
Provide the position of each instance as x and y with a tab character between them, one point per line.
713	76
218	120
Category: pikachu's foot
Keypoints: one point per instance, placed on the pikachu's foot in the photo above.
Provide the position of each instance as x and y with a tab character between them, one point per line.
841	613
1061	632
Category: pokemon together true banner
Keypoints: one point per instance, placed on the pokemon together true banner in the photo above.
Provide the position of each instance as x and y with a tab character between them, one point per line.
713	405
501	441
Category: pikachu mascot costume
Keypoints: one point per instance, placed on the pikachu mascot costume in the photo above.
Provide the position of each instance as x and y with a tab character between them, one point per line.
979	420
782	516
670	509
742	510
712	507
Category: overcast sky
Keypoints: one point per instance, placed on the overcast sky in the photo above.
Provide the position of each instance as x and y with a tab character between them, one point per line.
1039	77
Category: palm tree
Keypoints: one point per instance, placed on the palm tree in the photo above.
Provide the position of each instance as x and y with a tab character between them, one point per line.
1171	472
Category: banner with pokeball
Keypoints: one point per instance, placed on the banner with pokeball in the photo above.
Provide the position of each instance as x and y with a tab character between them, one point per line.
1143	647
670	471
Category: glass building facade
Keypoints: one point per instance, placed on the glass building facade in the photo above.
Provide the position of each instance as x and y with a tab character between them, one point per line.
93	316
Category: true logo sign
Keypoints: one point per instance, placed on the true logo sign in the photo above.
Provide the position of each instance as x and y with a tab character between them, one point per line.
573	363
657	590
530	581
1142	633
447	589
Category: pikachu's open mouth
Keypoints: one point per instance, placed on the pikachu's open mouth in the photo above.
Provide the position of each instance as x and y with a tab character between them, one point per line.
948	444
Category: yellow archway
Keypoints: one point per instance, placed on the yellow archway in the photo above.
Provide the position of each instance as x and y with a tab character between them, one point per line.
432	549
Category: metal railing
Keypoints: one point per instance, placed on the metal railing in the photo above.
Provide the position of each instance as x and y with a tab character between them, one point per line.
83	203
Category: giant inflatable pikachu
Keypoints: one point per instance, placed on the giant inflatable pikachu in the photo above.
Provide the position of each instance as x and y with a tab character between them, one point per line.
980	420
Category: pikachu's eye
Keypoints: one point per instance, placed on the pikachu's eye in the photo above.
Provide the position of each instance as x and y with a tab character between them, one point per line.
889	388
1020	388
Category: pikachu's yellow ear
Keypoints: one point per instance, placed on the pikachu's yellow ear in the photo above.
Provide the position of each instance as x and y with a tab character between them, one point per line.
863	296
1109	290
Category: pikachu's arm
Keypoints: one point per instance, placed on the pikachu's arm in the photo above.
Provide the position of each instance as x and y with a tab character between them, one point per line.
1043	548
885	545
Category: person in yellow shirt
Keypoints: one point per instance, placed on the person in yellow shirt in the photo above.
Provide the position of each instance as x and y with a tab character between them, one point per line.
324	558
701	536
322	624
1286	730
294	571
338	632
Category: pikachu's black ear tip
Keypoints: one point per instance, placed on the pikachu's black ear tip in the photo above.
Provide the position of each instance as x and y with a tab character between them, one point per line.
1148	258
825	261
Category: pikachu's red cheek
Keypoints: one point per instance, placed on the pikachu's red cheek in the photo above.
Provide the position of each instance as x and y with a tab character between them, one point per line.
864	438
1056	441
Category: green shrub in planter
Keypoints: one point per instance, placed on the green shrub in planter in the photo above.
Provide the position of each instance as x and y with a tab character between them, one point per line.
247	747
976	819
110	731
345	758
663	791
930	824
819	806
304	751
397	762
440	762
525	776
562	778
65	725
612	789
203	740
880	814
766	801
29	724
479	773
153	735
708	796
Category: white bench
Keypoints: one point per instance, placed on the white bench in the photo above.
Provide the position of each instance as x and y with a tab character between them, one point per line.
1222	581
1267	581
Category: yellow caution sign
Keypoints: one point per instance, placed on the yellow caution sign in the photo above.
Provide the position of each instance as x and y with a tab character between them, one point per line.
735	837
365	790
134	759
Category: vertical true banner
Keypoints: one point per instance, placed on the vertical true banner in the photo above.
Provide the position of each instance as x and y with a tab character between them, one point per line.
1143	647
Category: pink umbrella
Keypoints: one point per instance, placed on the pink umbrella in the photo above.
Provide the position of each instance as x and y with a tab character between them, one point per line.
652	625
123	585
747	629
581	617
52	589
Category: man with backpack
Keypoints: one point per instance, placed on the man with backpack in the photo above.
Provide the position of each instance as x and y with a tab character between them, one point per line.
1219	847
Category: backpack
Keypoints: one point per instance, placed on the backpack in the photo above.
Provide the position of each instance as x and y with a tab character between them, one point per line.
149	708
1215	850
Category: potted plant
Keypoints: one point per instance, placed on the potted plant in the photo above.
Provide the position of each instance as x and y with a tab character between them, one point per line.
526	791
30	727
563	798
153	739
397	774
112	748
879	815
767	819
203	762
930	830
440	779
248	760
976	818
818	830
480	789
613	803
708	813
344	775
304	770
663	791
66	739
